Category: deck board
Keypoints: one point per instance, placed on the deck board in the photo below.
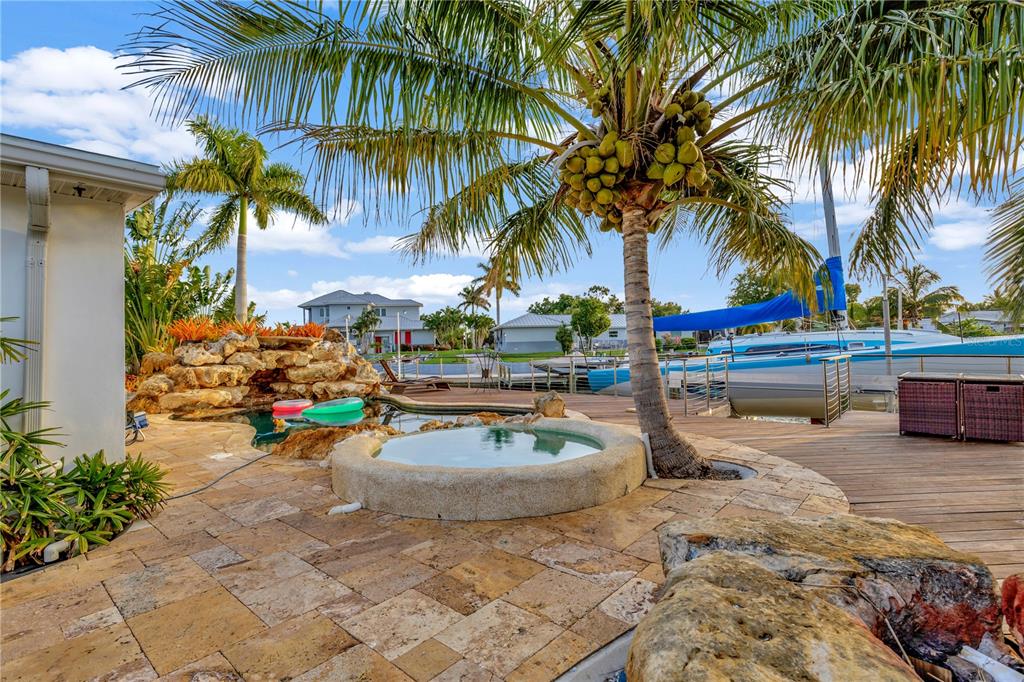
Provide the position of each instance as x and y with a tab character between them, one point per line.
971	494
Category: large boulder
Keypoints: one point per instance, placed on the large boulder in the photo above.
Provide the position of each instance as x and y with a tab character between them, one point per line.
882	572
329	390
549	405
202	399
318	443
197	354
726	617
315	371
281	359
250	361
289	390
184	378
155	362
212	376
154	386
1013	606
233	342
287	342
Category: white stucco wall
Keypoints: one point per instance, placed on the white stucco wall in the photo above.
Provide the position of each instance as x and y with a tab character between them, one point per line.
83	348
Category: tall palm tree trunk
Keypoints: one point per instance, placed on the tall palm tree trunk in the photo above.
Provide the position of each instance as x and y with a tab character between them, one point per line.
497	305
673	456
241	294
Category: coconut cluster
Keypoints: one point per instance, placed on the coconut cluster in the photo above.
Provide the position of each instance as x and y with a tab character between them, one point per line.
679	161
593	174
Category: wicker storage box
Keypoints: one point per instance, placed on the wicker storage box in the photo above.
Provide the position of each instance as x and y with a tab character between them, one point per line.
993	410
928	405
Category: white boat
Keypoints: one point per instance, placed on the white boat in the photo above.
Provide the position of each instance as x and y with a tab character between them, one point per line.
781	373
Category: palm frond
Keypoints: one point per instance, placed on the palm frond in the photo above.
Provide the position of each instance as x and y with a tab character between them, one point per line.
357	161
200	176
222	223
285	61
537	240
470	215
742	221
1005	250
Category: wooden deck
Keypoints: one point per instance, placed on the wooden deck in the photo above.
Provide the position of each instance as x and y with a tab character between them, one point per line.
971	494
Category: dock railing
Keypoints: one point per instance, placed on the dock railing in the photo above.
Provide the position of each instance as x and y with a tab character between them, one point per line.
837	387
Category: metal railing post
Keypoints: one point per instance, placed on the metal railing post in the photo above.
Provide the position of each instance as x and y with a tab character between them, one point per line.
686	388
533	379
707	382
727	378
572	376
549	376
824	388
667	391
615	376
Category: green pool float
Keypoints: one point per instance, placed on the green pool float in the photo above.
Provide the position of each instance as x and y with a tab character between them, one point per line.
343	409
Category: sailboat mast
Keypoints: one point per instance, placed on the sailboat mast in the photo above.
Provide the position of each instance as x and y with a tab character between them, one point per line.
828	205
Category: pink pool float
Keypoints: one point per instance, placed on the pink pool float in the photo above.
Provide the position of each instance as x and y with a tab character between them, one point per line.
290	409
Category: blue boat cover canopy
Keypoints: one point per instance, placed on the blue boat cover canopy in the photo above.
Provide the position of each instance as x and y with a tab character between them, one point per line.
783	307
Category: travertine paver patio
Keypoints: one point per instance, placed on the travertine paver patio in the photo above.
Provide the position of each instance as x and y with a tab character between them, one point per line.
252	578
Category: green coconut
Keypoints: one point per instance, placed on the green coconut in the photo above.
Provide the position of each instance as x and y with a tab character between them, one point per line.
572	200
576	181
702	110
606	225
665	153
600	209
611	165
595	164
673	173
605	196
624	154
607	146
586	196
608	179
703	126
575	164
688	153
594	184
615	217
673	110
696	176
656	171
689	99
708	186
587	152
685	134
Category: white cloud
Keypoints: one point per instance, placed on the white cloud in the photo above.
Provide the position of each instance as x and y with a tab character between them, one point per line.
293	273
960	225
77	93
384	243
288	232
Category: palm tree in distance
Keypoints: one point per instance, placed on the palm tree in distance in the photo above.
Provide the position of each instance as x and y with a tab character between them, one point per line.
234	165
472	297
920	300
498	277
530	126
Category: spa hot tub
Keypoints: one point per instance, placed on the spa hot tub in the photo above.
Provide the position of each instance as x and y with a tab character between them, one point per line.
490	473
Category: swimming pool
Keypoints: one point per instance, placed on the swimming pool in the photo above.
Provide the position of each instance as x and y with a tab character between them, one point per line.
487	447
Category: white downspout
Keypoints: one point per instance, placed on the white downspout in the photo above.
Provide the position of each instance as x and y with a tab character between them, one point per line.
37	191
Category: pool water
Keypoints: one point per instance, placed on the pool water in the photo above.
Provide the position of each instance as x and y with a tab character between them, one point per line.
270	431
486	447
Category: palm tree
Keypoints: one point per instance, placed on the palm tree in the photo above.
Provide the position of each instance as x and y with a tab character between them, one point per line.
472	297
234	165
497	277
920	300
499	113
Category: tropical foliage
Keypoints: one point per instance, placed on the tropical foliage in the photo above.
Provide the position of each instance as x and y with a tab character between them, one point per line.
497	277
161	282
589	319
922	299
565	337
527	125
472	297
41	503
364	325
234	166
448	325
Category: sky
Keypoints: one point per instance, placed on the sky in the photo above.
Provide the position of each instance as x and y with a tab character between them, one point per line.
59	82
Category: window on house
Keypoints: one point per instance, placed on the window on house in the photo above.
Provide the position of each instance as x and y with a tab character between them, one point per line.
613	334
323	312
382	312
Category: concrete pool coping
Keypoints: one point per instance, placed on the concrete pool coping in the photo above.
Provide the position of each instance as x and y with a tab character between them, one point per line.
478	494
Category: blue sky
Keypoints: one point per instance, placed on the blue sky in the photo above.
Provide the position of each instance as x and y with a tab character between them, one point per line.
59	83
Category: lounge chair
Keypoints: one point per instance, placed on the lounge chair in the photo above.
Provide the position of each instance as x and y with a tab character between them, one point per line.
405	386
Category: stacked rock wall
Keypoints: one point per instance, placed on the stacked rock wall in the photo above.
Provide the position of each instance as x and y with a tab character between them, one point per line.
237	372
